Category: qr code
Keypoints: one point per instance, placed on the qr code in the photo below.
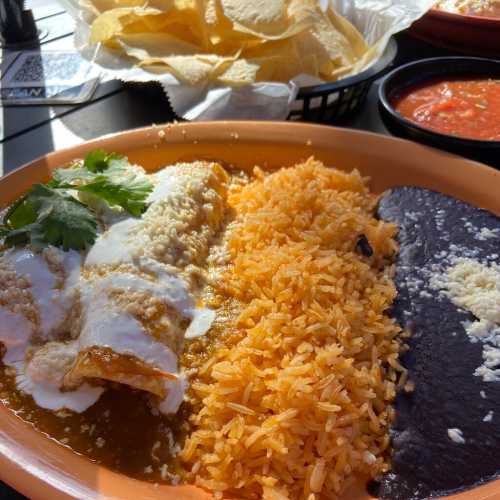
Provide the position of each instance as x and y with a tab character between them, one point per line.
36	68
47	68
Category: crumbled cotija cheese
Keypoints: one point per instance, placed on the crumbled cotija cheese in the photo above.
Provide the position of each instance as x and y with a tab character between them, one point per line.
456	436
475	287
488	417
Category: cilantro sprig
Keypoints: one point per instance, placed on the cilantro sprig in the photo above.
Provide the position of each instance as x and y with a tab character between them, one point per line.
49	215
95	163
46	216
99	161
128	193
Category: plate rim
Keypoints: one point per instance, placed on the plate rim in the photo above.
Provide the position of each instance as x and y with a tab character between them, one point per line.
30	473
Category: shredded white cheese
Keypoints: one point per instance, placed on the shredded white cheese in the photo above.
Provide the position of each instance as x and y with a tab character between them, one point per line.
488	417
456	436
475	287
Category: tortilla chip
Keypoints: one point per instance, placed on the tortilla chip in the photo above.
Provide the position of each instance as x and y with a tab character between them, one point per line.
157	68
233	42
113	22
272	68
221	36
180	18
194	69
340	72
273	20
355	38
163	5
307	44
288	33
262	16
300	16
241	72
335	43
154	45
300	10
101	6
288	62
188	69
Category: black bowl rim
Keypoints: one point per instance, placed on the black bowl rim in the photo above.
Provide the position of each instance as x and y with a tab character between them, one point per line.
450	139
384	61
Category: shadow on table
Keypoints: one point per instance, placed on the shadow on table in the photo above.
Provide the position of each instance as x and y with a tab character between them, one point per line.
12	154
135	106
7	493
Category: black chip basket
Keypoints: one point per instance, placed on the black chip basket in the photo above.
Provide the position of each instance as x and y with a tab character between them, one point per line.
325	103
337	101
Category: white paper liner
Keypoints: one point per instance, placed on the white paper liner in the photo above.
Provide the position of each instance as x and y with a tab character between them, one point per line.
377	20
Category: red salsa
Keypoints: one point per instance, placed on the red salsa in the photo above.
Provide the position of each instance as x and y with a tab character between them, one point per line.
464	107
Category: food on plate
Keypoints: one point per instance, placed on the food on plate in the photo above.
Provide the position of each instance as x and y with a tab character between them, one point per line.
489	8
446	433
241	314
296	400
465	106
231	42
241	330
121	311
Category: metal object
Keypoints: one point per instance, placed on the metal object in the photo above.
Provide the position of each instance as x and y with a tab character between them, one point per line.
17	26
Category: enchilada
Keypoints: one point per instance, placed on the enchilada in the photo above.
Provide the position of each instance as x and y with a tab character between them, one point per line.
119	312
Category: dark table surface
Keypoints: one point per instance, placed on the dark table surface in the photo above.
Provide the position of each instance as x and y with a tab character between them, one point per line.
31	131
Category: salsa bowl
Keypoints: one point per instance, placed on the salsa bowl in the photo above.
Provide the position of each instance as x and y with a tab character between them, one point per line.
420	72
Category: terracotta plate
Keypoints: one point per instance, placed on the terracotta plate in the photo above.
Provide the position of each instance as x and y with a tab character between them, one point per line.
39	467
475	35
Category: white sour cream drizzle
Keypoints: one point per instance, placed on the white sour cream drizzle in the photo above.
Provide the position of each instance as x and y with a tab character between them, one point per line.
120	244
165	183
107	326
104	324
46	389
202	319
15	334
53	304
50	397
117	245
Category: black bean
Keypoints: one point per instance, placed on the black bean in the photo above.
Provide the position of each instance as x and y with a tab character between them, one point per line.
363	246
